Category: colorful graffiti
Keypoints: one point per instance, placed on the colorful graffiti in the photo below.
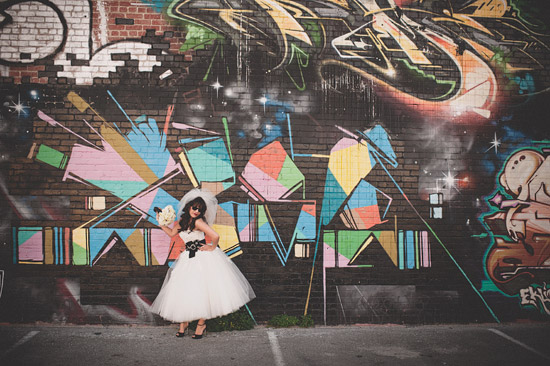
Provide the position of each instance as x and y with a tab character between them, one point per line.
446	64
251	100
519	224
537	297
136	165
440	59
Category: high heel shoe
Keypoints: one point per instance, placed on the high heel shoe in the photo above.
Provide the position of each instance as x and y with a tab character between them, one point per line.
181	334
203	333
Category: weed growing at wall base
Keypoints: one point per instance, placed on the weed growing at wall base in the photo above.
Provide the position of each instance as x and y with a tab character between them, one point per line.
285	321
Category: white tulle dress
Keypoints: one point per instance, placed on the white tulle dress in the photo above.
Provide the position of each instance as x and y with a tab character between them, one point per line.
206	286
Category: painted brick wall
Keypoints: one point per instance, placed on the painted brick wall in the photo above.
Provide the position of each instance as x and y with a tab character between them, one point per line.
375	161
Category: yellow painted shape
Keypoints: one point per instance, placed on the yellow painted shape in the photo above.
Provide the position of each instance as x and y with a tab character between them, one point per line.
489	8
78	102
154	260
136	246
286	22
232	17
236	254
350	165
128	154
228	236
48	246
389	242
364	246
80	237
188	169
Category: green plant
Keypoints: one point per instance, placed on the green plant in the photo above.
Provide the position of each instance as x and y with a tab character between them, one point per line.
306	321
282	321
285	321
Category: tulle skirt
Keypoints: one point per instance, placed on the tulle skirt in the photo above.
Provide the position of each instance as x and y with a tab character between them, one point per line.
205	286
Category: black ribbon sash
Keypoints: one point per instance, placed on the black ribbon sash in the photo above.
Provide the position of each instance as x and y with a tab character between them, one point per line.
193	246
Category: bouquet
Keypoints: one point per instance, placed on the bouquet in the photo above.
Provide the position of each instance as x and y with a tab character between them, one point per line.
166	216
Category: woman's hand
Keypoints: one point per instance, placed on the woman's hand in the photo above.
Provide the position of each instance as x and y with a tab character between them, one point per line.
207	247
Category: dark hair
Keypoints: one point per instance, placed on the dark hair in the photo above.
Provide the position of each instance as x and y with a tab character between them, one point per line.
188	223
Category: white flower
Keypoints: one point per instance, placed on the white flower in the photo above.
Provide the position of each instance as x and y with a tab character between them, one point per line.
167	216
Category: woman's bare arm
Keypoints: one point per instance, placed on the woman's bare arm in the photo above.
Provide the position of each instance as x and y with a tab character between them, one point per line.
171	231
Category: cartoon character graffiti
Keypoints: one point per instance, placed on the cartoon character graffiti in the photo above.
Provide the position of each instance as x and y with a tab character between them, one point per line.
520	255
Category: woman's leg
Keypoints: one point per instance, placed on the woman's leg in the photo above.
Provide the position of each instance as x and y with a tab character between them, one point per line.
183	327
201	329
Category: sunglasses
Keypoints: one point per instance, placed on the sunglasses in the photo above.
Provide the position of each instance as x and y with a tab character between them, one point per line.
196	208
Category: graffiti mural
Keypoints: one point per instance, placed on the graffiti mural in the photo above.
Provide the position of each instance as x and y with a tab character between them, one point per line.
518	261
372	159
447	64
137	165
537	297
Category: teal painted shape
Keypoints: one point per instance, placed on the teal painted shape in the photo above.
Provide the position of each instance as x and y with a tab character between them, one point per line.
265	233
211	162
120	189
228	184
380	138
148	142
363	195
228	207
305	227
100	236
243	216
25	233
333	198
189	140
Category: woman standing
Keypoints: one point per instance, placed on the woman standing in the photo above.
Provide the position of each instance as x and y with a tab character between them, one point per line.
203	282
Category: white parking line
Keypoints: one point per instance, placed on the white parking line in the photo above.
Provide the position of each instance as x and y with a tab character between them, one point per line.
25	339
506	336
275	348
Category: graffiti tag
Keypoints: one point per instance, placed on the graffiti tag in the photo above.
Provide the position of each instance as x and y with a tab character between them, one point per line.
537	296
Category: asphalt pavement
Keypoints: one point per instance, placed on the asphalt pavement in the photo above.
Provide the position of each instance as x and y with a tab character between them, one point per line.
476	344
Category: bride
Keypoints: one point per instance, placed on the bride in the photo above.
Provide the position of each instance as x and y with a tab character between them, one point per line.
203	282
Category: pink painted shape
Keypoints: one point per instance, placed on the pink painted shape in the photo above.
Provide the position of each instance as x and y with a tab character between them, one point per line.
31	249
328	256
92	164
425	245
144	202
343	144
183	126
267	187
171	166
244	235
160	245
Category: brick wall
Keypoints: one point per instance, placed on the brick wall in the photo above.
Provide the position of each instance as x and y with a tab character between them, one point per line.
374	162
